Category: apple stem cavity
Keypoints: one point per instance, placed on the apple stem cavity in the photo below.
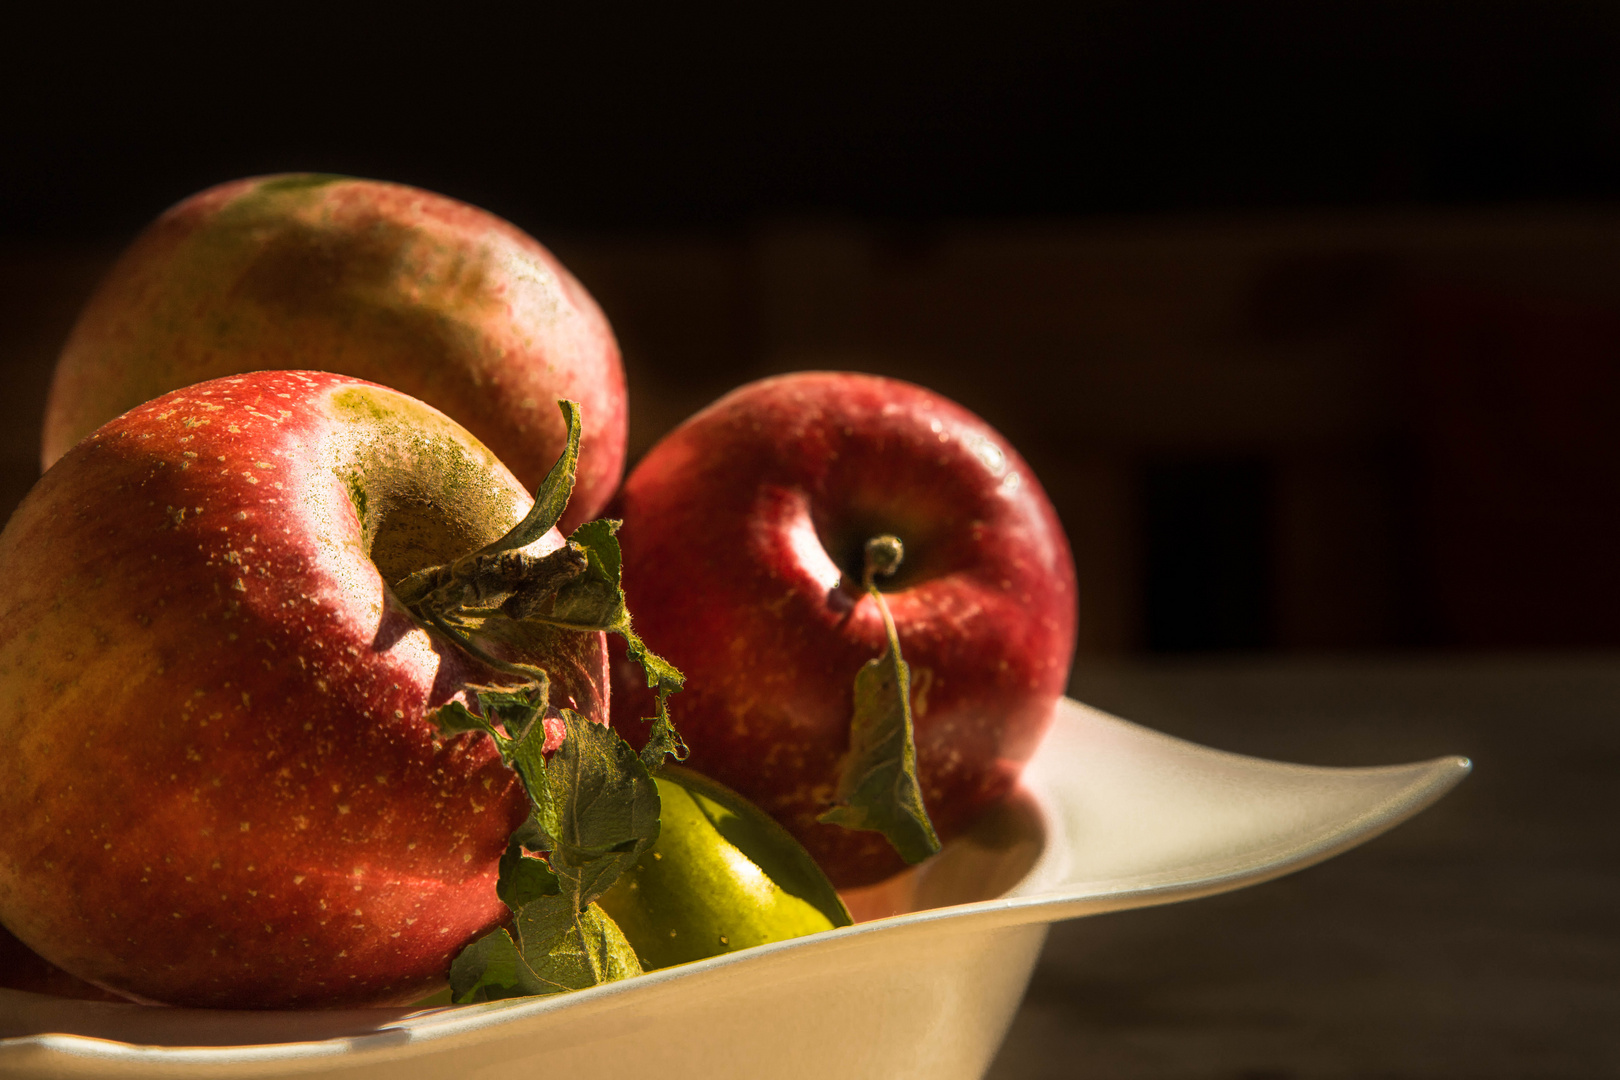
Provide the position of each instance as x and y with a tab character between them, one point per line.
594	807
878	789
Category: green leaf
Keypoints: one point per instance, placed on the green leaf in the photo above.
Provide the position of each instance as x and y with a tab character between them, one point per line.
489	969
552	497
878	789
526	756
663	741
562	950
601	813
455	718
607	799
593	600
531	836
514	707
552	951
662	675
524	879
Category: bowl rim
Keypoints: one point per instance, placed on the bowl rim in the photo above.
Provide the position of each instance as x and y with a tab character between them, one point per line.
1046	893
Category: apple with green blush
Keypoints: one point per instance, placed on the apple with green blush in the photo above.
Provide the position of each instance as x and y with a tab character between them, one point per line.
224	785
385	282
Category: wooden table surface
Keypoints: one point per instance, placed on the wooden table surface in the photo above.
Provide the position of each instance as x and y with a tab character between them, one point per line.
1481	939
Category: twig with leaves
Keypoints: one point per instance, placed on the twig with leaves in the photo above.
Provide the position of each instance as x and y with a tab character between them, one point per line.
593	805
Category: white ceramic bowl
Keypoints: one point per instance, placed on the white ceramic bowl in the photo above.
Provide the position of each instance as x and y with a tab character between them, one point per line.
1113	816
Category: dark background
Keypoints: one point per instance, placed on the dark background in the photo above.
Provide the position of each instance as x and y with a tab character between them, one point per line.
564	117
1305	312
1307	315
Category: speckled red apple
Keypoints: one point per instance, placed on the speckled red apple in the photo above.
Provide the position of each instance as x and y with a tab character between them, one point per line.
220	786
390	283
23	969
743	536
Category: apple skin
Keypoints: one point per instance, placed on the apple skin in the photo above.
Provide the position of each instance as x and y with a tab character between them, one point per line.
400	286
736	528
221	786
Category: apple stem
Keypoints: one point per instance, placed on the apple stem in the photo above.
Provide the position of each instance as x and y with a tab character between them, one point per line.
883	556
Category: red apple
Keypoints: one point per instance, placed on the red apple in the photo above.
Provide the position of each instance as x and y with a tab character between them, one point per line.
221	786
410	289
742	539
23	969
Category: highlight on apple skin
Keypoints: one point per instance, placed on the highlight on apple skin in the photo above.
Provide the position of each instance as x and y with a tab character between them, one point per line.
400	286
742	539
221	786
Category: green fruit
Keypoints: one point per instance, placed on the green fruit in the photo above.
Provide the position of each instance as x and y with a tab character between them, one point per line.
723	876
